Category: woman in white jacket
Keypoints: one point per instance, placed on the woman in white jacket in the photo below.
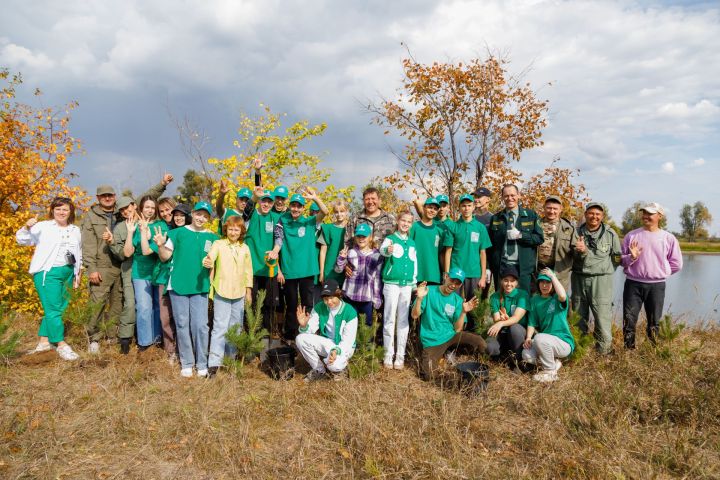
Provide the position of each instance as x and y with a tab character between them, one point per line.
54	266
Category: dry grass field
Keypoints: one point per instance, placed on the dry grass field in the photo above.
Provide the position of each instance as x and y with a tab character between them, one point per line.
641	414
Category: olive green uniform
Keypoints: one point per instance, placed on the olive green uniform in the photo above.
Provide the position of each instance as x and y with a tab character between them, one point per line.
592	281
126	327
556	252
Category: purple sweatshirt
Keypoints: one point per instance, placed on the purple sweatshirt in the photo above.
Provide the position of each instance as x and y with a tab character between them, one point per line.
659	259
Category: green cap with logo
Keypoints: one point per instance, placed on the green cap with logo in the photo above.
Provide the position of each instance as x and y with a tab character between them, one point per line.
281	192
266	194
244	193
466	197
442	199
297	198
203	206
457	274
363	230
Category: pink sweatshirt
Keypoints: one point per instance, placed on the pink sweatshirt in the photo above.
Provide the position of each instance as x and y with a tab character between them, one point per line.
659	259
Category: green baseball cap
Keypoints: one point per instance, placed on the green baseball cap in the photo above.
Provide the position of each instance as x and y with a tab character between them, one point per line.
314	207
123	202
244	193
594	205
363	230
542	276
105	190
457	274
203	206
266	194
297	198
432	201
281	192
466	196
442	198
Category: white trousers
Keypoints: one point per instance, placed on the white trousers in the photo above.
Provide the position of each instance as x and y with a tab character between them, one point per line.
397	306
315	350
546	348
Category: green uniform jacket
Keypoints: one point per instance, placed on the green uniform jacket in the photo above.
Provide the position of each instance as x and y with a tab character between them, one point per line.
532	236
601	260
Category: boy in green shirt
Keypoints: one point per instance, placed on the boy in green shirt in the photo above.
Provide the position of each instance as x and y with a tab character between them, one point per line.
548	317
428	235
189	285
442	317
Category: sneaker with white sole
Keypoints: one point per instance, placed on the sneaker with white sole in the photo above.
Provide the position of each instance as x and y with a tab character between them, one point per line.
41	347
315	375
545	376
558	364
399	364
202	372
388	363
94	347
186	372
67	353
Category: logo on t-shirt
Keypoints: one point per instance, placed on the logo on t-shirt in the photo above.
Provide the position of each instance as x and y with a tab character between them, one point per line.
301	232
437	240
474	237
268	227
208	244
449	310
551	308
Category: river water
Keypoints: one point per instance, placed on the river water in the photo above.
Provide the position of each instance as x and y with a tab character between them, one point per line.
692	295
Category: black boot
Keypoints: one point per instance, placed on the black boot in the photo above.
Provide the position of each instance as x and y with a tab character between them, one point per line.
124	346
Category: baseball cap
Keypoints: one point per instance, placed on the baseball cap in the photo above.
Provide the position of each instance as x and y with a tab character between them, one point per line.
363	230
105	190
297	198
203	206
544	277
509	271
281	192
266	194
182	208
482	192
464	197
653	207
442	198
314	207
244	193
329	287
123	202
457	274
553	198
595	205
432	201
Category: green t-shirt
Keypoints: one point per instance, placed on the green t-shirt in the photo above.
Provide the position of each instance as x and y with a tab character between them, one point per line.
229	212
428	242
143	267
439	313
518	298
549	315
298	257
188	276
334	238
259	239
467	239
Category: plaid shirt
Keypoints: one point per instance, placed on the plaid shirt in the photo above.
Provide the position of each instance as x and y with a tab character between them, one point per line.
383	225
365	284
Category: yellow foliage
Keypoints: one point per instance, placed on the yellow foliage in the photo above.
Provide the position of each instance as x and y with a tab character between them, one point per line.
33	173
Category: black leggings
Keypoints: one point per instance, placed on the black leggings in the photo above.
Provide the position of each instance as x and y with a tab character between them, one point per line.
297	290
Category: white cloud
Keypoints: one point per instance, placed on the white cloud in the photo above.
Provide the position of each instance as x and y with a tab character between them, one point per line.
698	162
668	167
21	58
702	109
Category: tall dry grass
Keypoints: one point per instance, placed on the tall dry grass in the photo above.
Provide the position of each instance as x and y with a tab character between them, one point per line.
634	415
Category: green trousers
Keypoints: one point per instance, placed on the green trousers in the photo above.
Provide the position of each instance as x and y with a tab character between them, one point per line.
127	317
593	294
53	288
109	295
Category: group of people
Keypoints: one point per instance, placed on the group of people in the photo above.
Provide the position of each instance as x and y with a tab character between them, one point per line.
153	265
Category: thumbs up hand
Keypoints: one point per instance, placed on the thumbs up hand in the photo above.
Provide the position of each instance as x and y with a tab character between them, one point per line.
31	222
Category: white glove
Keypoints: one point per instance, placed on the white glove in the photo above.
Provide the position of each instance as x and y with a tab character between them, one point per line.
514	234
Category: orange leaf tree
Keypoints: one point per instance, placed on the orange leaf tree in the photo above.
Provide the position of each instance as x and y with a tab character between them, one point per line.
34	146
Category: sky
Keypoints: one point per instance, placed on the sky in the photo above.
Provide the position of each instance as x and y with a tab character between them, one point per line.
633	89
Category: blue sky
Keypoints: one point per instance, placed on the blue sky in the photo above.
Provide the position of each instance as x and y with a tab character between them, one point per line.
634	101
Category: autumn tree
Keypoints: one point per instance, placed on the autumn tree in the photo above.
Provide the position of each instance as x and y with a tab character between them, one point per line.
632	218
284	160
34	146
694	220
195	187
462	122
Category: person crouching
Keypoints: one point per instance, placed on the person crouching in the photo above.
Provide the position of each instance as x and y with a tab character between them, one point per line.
327	334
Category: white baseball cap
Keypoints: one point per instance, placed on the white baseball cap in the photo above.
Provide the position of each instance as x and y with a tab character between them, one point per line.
653	207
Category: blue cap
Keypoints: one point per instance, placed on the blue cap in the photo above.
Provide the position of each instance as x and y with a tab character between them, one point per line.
482	192
281	192
509	271
466	196
297	198
244	193
203	206
363	230
266	194
442	198
457	274
314	207
432	201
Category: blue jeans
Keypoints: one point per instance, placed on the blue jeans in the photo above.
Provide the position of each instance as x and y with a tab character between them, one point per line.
147	312
191	321
227	313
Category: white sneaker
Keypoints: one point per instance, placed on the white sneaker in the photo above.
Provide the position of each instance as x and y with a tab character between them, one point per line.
94	347
203	373
388	363
186	372
399	363
67	353
558	364
41	347
545	376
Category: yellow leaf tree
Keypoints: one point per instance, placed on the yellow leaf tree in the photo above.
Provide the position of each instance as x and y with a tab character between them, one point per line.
34	146
284	161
